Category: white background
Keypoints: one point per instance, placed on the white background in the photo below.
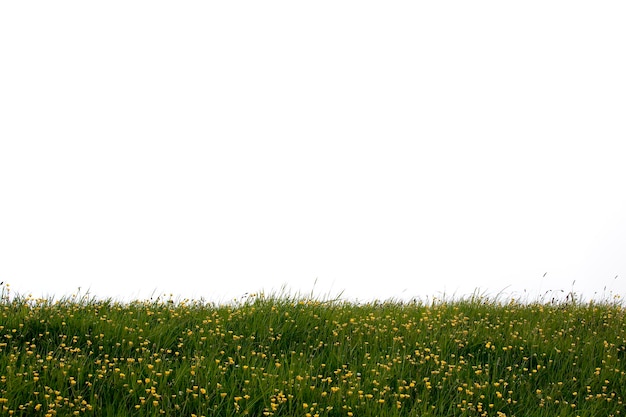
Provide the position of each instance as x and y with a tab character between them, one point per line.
382	149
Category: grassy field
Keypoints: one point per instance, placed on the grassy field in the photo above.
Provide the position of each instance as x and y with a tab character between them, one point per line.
292	356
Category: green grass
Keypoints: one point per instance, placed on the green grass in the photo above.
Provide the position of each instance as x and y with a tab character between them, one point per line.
295	356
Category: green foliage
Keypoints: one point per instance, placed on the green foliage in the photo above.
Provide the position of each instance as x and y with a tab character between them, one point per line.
293	356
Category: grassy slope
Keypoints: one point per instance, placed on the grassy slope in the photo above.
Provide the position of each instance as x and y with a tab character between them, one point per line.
286	356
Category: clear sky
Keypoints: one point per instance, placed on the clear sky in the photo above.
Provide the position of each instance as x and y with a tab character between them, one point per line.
380	149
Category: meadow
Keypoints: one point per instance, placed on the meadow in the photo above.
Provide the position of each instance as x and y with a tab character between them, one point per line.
282	355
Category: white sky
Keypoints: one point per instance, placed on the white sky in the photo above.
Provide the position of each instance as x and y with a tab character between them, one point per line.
379	148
